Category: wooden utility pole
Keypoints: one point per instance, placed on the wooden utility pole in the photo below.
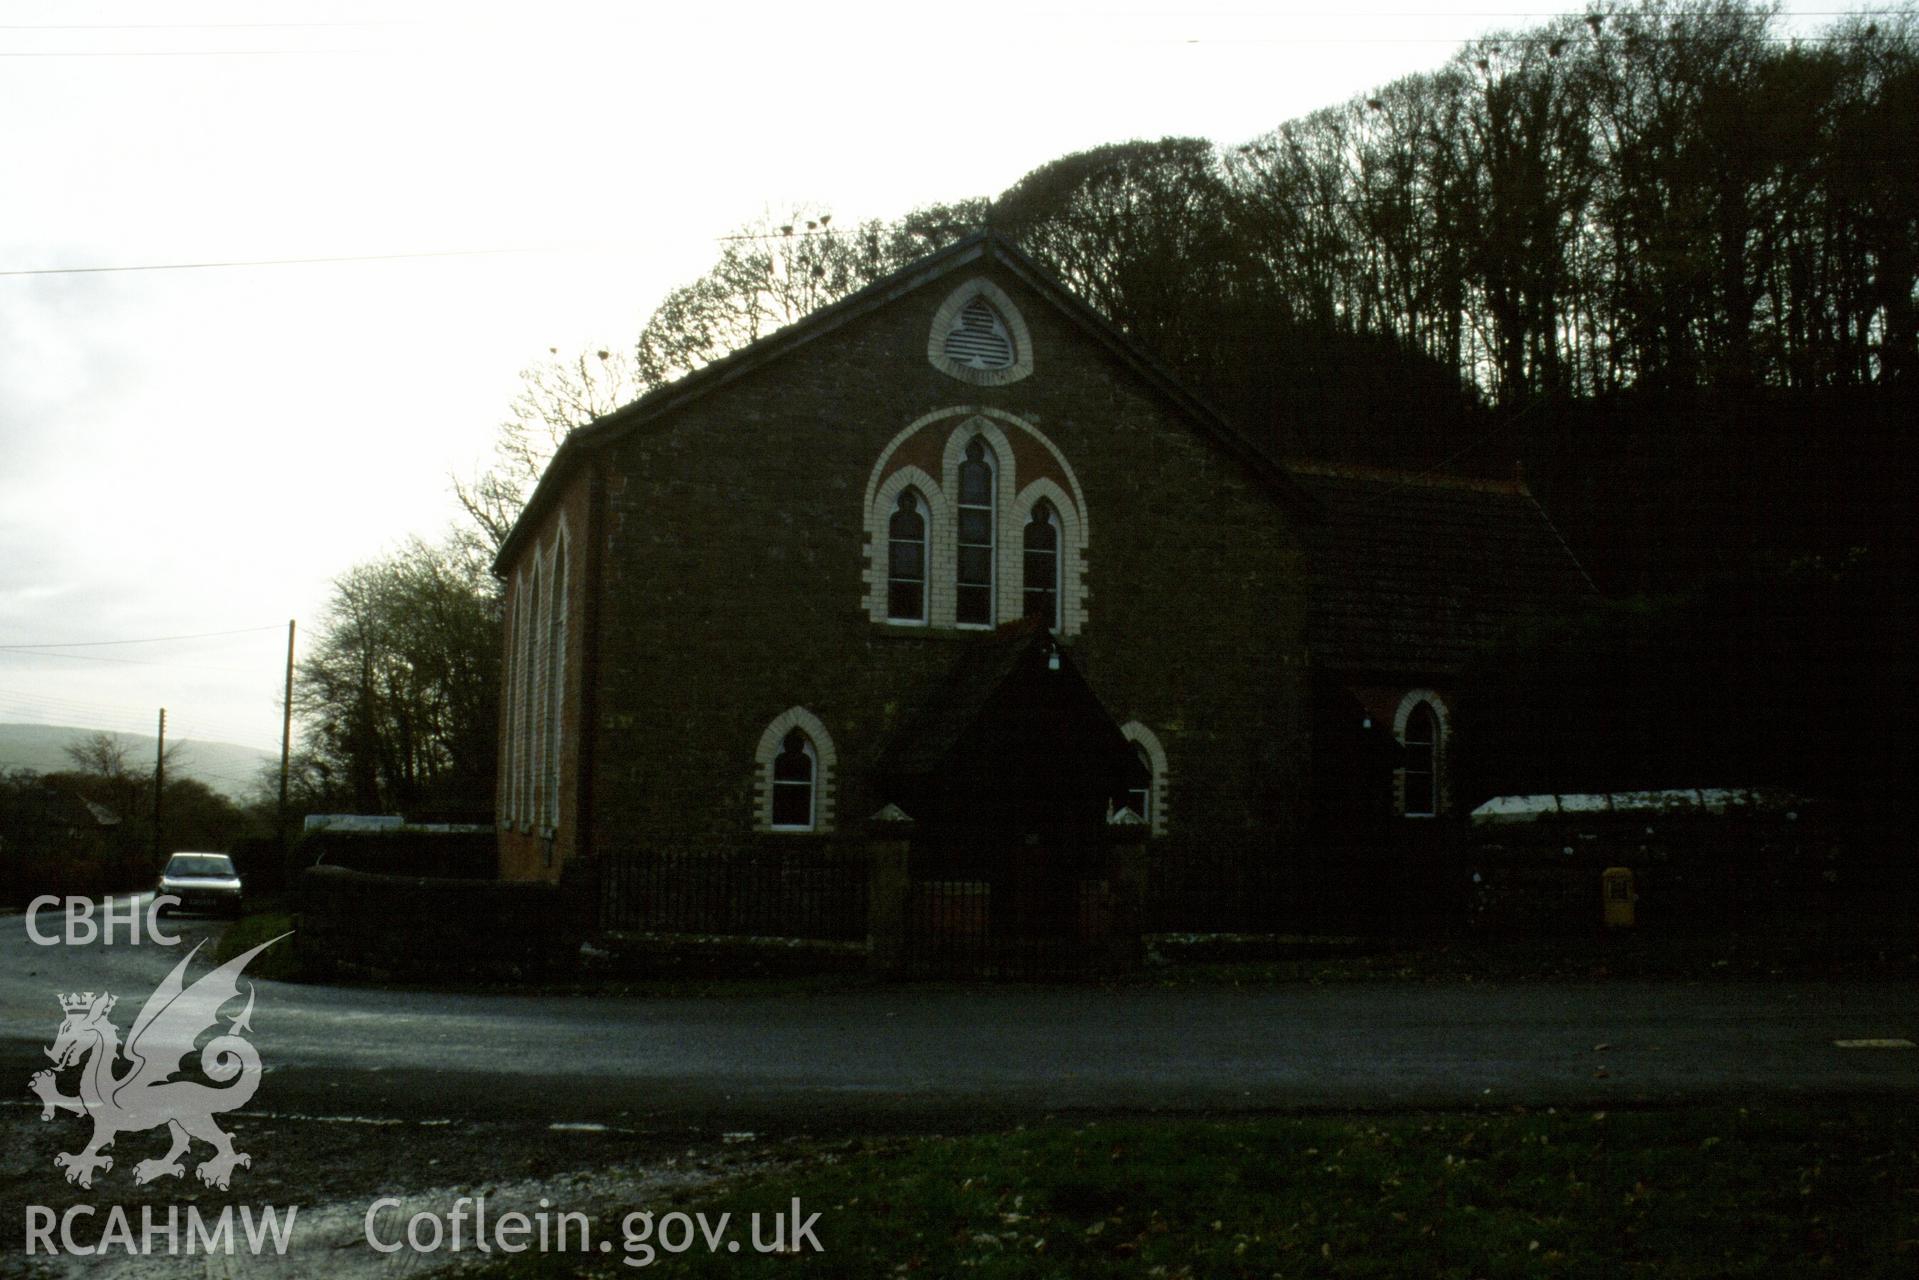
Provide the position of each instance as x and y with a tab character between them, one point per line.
160	791
286	732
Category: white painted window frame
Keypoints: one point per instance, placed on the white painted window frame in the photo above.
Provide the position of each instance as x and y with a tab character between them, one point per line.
1158	796
825	772
1442	732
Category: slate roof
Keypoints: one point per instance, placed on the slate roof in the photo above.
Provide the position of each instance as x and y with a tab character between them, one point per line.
979	690
925	741
1412	574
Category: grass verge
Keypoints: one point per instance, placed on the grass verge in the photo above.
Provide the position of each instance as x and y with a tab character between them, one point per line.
1696	1193
1202	960
280	962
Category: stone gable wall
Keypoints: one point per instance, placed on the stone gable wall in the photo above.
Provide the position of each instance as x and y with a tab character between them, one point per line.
735	554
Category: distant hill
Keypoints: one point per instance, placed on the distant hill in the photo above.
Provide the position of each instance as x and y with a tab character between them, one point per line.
227	767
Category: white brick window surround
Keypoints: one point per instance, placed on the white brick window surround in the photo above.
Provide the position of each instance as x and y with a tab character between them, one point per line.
794	769
1420	727
1155	794
552	734
507	801
979	336
975	538
536	643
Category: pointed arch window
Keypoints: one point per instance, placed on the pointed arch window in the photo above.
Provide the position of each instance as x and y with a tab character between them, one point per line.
971	517
793	774
555	692
794	766
1042	564
1151	803
530	701
906	559
1140	799
973	603
515	669
1422	743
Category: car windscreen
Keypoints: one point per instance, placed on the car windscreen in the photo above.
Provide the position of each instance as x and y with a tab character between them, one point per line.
199	865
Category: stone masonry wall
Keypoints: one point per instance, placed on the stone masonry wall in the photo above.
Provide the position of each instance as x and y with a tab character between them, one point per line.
734	560
527	852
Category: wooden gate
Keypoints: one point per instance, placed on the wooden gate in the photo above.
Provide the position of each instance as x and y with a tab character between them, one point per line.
1008	910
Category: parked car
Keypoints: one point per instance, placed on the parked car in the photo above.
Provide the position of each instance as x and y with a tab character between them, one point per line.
202	882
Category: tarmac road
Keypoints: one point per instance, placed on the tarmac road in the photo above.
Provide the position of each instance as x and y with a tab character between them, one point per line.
935	1056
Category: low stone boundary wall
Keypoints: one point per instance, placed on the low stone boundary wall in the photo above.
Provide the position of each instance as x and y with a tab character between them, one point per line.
1784	873
404	851
359	925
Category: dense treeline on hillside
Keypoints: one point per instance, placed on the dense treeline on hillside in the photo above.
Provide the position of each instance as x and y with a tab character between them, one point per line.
1669	200
1663	196
1660	253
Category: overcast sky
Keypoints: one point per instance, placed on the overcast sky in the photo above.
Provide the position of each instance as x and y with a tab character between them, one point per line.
202	449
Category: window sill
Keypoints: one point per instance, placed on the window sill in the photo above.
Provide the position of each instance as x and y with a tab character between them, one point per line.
925	631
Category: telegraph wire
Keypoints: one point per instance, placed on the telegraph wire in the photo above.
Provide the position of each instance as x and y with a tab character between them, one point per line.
204	26
100	716
125	662
94	644
1117	13
277	262
1514	38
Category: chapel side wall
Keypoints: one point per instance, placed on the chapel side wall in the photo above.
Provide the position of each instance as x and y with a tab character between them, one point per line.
734	552
524	846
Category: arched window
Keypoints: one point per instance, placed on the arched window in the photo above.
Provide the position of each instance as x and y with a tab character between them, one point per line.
793	770
1042	565
952	507
531	702
1421	738
509	747
973	603
1140	799
555	692
906	559
794	765
1149	802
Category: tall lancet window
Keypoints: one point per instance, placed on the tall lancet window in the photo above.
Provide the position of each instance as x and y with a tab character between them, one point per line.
906	559
1140	799
555	693
974	601
1422	741
1042	564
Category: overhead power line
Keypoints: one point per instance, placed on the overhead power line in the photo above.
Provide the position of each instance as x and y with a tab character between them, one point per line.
201	26
94	644
275	262
1170	38
128	662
